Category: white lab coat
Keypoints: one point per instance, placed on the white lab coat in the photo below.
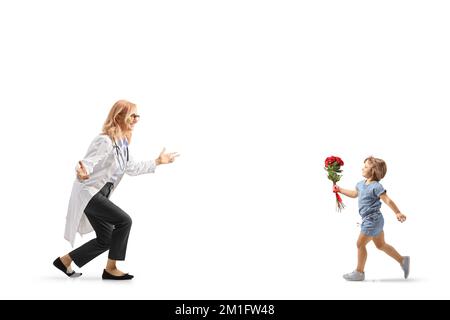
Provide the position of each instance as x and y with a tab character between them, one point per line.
101	163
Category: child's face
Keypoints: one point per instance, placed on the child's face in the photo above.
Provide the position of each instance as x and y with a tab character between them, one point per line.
366	170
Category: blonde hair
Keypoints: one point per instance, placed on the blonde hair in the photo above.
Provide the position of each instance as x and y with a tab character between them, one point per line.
116	120
378	168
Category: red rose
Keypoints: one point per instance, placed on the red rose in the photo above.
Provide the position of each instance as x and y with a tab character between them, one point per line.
333	167
339	161
330	160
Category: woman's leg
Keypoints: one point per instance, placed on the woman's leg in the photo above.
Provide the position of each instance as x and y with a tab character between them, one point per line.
66	260
64	264
100	244
95	247
111	268
119	239
112	226
383	246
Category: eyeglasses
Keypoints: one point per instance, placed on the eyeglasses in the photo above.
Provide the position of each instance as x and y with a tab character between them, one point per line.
135	116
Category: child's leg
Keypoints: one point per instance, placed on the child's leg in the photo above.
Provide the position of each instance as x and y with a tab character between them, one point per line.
383	246
363	240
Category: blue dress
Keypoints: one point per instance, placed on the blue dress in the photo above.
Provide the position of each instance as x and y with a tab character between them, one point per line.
369	207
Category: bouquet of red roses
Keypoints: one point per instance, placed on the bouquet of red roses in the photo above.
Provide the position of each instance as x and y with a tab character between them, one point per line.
333	167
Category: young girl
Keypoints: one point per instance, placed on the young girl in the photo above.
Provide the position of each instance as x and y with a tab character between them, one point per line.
369	193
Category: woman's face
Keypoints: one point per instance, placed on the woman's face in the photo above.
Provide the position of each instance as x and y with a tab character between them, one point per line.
366	170
132	119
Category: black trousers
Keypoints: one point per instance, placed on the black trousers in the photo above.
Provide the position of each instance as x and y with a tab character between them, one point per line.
112	226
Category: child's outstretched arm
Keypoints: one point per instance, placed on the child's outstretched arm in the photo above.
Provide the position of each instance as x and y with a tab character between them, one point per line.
345	192
400	216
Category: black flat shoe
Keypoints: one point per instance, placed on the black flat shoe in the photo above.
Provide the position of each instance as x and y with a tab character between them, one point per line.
58	263
108	276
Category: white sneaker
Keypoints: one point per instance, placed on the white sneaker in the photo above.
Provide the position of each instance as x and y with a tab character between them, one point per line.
405	266
354	276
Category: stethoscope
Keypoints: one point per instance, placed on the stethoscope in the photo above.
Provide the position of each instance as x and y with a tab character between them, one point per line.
120	158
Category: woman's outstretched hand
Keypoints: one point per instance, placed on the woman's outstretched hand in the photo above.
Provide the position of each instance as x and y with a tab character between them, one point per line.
82	172
165	158
336	188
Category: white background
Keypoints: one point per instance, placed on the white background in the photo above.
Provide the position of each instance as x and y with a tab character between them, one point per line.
254	95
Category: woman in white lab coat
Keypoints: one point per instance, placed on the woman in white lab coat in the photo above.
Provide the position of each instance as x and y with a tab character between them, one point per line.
98	174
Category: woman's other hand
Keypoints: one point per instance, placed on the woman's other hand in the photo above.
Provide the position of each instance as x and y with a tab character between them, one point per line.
82	172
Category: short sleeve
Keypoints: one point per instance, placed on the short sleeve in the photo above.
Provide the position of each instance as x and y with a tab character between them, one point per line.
379	189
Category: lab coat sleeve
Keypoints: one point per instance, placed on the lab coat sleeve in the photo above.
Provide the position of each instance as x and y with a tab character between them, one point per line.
98	150
135	168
